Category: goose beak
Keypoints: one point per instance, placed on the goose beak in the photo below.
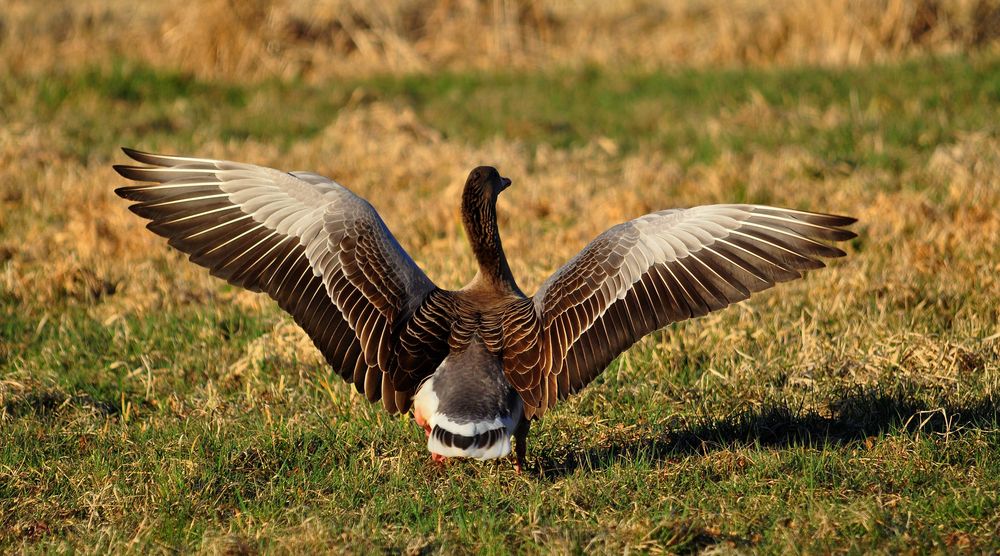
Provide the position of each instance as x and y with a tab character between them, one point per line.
504	183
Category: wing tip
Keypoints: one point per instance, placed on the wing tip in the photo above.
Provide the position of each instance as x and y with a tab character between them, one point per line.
835	253
143	157
141	211
161	160
812	217
840	234
126	192
123	170
837	220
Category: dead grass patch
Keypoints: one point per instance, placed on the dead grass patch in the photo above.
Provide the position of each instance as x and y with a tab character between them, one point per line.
296	38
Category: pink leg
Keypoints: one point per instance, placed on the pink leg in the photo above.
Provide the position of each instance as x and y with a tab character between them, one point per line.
422	422
427	430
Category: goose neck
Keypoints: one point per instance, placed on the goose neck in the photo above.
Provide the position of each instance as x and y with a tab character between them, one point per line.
481	226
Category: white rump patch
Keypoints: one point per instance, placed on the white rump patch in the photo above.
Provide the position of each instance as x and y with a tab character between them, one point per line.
425	406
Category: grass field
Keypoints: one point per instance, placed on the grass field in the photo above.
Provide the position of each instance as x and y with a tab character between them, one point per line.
146	407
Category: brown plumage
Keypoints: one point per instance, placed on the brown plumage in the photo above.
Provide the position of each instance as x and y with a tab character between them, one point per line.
476	364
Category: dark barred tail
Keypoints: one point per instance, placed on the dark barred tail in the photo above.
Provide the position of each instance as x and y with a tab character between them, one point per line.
490	444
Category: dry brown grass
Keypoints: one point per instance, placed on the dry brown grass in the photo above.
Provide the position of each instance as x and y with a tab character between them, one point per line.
76	241
239	40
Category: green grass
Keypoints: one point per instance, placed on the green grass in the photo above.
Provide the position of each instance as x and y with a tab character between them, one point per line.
911	107
140	434
657	467
764	478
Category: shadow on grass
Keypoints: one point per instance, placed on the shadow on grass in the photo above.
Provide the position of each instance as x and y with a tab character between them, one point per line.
46	403
855	414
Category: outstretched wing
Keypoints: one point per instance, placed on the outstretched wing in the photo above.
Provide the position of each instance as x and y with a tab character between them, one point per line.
660	268
320	251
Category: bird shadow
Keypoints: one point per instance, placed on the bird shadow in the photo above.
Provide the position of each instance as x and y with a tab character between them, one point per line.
854	414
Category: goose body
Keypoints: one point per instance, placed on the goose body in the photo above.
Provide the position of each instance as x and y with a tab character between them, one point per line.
474	366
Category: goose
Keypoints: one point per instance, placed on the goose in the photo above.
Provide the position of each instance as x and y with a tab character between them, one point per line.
474	366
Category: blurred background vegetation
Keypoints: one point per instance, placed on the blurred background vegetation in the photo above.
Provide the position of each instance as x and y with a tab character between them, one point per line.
301	39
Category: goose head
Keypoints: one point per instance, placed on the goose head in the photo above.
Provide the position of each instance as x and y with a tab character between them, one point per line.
483	186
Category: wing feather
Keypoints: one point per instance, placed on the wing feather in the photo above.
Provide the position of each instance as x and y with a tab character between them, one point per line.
660	268
320	251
